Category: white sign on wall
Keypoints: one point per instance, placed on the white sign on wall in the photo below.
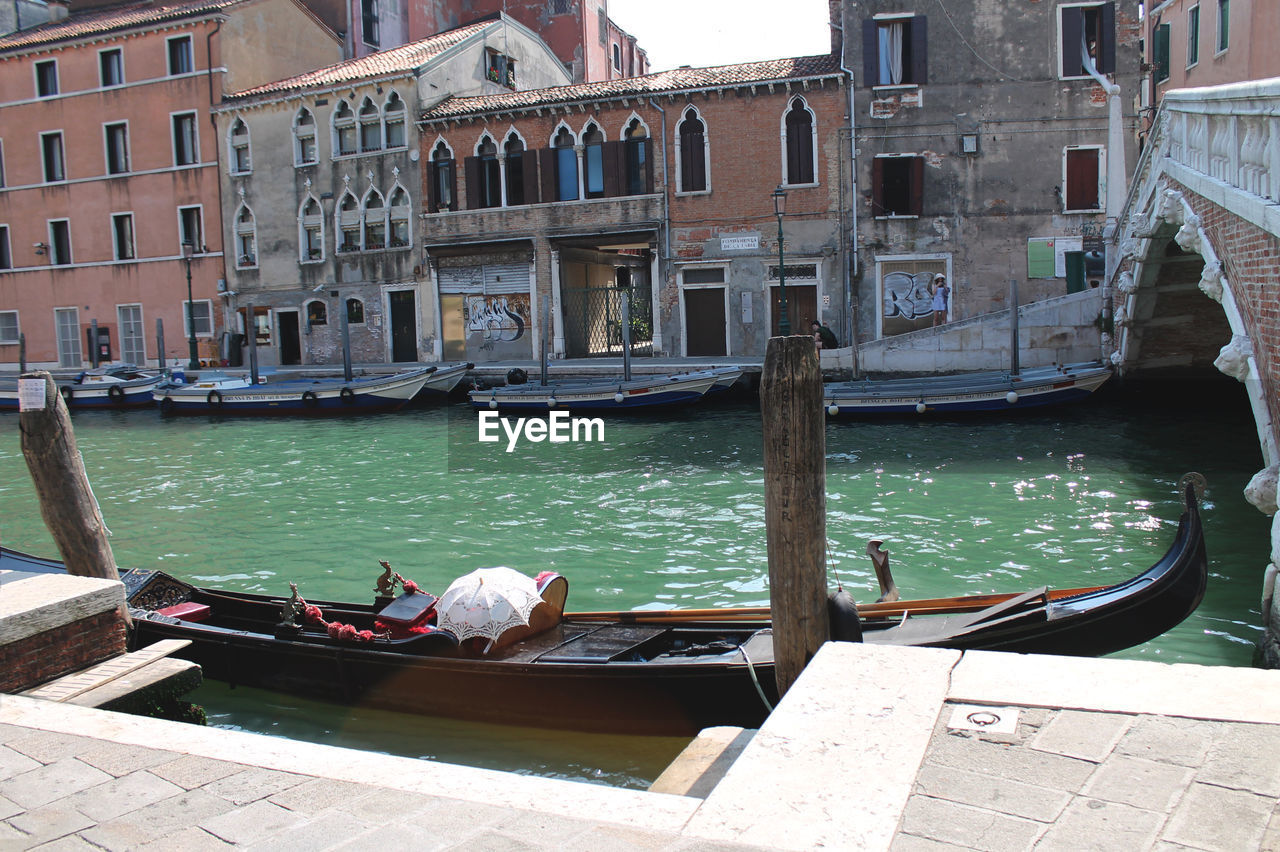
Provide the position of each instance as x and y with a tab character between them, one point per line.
740	242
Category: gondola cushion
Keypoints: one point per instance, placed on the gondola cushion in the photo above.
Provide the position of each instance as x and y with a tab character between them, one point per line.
188	611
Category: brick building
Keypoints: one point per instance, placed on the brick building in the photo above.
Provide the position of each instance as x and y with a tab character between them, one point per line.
109	164
986	149
322	191
658	185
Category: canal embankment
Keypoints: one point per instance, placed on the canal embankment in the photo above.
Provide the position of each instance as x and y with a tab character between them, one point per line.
873	748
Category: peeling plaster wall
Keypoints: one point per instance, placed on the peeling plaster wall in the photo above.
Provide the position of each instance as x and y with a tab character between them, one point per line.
992	72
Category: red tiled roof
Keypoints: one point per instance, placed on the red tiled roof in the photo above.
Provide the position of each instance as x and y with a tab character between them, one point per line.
109	18
680	79
397	60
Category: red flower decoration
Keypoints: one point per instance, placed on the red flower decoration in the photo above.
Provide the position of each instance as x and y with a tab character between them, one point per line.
335	630
313	614
365	635
410	587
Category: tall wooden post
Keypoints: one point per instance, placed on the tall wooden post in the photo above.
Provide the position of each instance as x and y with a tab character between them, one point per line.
795	508
67	504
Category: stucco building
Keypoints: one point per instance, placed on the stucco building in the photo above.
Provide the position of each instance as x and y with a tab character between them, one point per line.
552	203
580	32
109	163
986	150
322	191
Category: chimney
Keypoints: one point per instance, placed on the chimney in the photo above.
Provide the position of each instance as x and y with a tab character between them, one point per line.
58	10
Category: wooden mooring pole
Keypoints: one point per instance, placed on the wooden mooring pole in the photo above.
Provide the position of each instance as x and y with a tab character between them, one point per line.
67	504
795	507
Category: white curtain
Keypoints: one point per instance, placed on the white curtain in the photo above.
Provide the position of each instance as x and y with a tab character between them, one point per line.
891	54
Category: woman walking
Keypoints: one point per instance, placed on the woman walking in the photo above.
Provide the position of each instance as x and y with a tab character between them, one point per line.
941	295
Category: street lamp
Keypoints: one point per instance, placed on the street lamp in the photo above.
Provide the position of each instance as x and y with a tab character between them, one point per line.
780	208
189	249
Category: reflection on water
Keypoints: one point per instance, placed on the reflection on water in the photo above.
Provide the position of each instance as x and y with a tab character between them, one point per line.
668	512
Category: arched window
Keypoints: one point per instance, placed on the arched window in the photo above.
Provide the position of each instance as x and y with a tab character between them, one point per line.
393	120
513	149
566	165
400	217
487	174
638	167
238	142
310	231
593	160
355	312
800	145
304	138
692	152
348	223
246	238
344	130
370	127
440	187
375	221
317	313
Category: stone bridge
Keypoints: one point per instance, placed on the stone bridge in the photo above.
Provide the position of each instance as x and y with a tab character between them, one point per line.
1194	265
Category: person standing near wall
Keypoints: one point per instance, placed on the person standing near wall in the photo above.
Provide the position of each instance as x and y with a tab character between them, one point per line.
941	297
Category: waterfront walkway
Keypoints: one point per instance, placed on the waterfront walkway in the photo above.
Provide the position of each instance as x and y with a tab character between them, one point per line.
874	748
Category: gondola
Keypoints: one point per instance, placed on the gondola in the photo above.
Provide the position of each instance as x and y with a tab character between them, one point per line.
638	672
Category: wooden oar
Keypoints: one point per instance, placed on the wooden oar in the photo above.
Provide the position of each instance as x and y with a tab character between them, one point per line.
890	609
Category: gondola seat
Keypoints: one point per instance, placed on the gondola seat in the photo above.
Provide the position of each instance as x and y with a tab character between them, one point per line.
554	590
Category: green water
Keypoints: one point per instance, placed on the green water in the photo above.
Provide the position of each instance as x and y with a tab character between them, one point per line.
664	512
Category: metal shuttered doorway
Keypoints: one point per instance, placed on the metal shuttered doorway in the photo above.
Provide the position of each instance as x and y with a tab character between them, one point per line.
485	312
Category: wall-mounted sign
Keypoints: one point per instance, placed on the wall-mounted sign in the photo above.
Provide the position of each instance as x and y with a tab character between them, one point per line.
738	242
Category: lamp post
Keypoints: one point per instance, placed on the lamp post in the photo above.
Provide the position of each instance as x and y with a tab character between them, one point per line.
780	208
189	249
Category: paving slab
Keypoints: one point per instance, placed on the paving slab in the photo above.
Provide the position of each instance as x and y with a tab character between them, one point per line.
1220	820
50	822
1092	824
1184	742
119	796
315	834
256	821
1245	757
1085	736
1136	781
49	783
1029	801
968	827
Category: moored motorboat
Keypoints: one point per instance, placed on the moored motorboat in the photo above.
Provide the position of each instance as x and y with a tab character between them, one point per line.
219	393
115	386
639	671
607	394
964	392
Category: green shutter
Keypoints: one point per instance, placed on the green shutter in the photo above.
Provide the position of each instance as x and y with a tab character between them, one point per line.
1160	53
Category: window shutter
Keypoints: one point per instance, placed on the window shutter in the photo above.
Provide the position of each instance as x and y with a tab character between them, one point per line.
1160	53
1072	39
614	163
870	53
547	165
1082	179
529	173
433	194
919	51
877	186
917	186
648	165
451	180
471	174
1107	43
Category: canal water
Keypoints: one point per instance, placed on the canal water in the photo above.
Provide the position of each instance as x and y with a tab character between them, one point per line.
663	512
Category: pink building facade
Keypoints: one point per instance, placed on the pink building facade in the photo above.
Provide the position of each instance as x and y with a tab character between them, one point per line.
1191	43
109	163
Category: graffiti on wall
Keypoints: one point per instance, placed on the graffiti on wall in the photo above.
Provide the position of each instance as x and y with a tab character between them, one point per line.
906	296
496	319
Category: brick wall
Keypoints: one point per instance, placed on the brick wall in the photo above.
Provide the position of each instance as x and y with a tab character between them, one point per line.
31	661
1250	260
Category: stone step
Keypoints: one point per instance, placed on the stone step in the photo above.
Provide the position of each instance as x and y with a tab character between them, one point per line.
69	688
696	770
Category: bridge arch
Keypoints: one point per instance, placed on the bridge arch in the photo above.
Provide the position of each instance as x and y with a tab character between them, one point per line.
1194	266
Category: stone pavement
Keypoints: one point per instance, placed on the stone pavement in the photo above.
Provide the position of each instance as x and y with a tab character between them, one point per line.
874	748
